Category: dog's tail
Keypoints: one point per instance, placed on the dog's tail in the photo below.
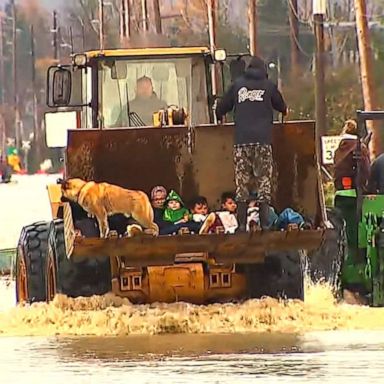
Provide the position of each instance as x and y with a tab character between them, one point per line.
133	230
155	228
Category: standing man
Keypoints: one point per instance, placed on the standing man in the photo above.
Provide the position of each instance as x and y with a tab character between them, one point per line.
253	98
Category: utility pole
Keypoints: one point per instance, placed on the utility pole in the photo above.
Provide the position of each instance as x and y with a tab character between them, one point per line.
305	9
156	9
2	91
55	37
59	41
252	24
144	14
15	79
279	78
125	20
366	71
2	73
101	24
294	37
84	43
71	40
319	10
211	9
36	131
212	39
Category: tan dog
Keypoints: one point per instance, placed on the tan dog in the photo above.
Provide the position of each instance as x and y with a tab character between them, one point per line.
102	200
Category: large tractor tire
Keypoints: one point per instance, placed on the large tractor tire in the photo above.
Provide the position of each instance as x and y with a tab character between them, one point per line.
281	276
84	277
325	264
30	261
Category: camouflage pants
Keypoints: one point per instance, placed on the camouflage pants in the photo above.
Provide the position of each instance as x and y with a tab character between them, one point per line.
253	171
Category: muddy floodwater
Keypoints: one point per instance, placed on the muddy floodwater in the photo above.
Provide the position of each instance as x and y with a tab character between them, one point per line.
108	340
271	358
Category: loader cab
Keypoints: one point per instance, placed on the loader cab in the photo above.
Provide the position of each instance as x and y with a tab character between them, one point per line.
127	88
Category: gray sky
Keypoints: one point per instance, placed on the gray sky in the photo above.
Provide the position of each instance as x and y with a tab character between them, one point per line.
48	3
52	3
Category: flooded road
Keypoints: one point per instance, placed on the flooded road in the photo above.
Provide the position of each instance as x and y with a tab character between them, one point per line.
314	358
108	340
229	356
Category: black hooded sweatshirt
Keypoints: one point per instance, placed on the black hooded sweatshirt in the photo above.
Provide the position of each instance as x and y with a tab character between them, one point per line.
253	98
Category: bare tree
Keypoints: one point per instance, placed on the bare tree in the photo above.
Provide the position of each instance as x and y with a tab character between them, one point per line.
294	36
366	70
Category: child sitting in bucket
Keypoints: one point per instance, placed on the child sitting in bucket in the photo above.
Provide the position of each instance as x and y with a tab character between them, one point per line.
175	212
225	218
199	209
253	215
200	214
177	216
288	217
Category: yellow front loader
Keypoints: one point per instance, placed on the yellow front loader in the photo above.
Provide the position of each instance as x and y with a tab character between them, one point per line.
102	139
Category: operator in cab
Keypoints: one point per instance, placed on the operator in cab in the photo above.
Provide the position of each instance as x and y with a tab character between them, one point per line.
253	97
143	106
146	101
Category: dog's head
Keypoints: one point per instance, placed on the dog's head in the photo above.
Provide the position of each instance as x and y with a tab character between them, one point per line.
70	188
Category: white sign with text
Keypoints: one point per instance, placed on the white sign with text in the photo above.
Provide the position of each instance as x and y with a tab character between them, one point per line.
329	144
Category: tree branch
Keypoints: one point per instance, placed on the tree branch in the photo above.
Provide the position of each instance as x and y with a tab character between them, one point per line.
89	19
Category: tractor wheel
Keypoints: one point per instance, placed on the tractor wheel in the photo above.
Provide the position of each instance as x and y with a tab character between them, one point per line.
84	277
281	276
30	260
325	264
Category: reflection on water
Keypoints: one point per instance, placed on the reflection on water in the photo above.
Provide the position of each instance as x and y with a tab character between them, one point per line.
135	347
266	358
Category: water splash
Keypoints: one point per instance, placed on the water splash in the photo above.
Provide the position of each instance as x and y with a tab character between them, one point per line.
110	315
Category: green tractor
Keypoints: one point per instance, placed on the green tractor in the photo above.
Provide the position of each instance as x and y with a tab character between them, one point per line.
362	270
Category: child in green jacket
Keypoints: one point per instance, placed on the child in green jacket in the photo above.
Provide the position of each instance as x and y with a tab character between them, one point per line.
175	212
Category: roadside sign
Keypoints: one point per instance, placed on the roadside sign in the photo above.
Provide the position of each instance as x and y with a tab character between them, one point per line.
329	144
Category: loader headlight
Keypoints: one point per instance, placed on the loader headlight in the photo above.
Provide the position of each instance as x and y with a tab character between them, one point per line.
220	55
80	60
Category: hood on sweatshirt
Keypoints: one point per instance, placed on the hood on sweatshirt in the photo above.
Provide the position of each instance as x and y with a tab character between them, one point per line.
174	196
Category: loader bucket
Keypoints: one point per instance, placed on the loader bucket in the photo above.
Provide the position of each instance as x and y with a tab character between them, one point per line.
195	161
201	268
243	248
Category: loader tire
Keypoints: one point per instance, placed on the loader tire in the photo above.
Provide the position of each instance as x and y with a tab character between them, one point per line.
325	264
84	277
30	261
281	276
